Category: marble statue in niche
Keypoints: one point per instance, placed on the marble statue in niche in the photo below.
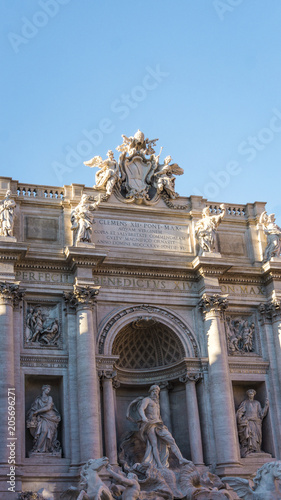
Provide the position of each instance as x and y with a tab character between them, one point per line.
240	335
82	219
250	415
146	412
7	207
108	175
273	235
42	420
205	230
42	328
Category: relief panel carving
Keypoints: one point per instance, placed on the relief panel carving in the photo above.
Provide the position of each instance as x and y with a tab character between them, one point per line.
42	325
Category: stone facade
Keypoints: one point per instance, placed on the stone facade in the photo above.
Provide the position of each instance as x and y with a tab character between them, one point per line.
136	301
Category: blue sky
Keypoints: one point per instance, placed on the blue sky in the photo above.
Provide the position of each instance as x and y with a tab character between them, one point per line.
203	76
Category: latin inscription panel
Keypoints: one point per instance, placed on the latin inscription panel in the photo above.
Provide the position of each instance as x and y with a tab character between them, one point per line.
131	234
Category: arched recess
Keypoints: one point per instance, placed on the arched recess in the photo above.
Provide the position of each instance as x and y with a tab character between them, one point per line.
163	316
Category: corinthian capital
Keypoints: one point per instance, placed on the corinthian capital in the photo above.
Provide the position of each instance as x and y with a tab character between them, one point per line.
213	302
85	295
191	377
270	310
10	293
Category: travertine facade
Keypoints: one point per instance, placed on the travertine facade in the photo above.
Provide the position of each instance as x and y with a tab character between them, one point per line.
136	300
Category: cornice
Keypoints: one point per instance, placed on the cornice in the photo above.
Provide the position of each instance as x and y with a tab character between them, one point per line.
44	361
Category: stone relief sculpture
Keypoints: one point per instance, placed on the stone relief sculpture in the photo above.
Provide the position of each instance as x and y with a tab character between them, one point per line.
205	230
249	416
82	219
146	412
267	483
108	175
42	420
273	235
240	335
42	329
138	176
7	207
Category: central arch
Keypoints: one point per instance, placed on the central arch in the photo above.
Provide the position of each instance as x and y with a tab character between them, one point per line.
179	331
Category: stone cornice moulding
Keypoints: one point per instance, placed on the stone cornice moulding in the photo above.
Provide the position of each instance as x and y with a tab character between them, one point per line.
162	373
44	361
79	256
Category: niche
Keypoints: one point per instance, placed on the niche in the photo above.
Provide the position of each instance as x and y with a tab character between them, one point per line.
33	389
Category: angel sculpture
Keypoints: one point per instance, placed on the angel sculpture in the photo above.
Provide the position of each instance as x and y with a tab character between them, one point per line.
273	234
108	175
163	176
267	483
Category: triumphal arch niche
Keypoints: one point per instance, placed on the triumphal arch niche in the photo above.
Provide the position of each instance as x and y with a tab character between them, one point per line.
139	326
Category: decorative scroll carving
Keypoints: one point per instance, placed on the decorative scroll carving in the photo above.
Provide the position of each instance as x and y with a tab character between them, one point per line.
42	325
205	230
249	421
42	420
213	302
240	335
267	483
85	295
191	377
82	219
70	301
7	207
273	235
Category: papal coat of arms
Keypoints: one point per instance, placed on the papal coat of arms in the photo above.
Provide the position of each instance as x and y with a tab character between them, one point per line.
138	176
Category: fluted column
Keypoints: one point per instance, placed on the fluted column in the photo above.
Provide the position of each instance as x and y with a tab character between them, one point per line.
8	293
193	421
270	316
165	404
223	411
110	438
88	404
73	407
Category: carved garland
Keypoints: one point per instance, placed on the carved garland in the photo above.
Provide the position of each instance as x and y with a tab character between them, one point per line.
150	310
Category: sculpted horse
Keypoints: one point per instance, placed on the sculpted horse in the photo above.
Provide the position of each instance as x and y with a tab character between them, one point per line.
91	487
267	483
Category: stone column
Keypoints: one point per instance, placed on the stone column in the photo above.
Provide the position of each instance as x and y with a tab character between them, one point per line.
88	404
8	293
110	438
221	392
18	322
73	407
165	404
193	421
270	316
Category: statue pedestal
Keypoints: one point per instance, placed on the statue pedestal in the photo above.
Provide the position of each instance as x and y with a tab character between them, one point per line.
81	244
41	457
276	259
213	255
8	239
